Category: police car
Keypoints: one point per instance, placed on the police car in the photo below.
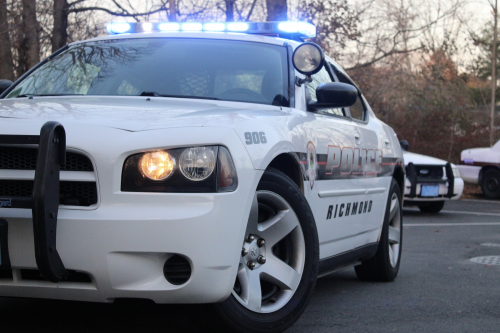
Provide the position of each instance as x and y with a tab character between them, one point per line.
430	181
230	164
481	166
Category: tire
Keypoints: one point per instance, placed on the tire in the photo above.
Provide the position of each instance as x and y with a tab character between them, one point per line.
432	207
491	184
298	250
384	266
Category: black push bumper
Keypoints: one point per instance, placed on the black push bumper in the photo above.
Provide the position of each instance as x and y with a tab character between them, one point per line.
411	174
44	202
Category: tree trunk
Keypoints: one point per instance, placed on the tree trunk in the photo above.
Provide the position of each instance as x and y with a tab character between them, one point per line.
6	64
172	11
229	10
60	30
493	75
276	10
29	50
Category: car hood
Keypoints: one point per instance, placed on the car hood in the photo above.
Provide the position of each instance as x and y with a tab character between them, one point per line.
133	113
422	159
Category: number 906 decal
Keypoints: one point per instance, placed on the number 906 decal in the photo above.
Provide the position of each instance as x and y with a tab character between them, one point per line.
255	138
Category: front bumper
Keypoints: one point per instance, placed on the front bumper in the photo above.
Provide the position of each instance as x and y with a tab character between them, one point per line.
123	249
443	191
122	243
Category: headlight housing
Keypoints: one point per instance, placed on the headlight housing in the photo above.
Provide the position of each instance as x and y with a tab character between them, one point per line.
456	173
206	169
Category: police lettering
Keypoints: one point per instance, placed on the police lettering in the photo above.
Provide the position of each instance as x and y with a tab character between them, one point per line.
353	161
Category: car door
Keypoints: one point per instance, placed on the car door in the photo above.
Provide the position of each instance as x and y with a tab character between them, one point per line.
376	176
336	188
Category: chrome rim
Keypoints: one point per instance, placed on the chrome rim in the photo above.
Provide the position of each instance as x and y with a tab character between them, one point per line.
394	230
272	257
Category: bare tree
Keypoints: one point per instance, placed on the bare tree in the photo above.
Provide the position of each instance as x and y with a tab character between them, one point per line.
493	70
6	64
276	10
60	29
29	47
62	9
172	11
229	10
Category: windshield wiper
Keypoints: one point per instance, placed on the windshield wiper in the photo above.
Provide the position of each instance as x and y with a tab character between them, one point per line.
42	95
155	94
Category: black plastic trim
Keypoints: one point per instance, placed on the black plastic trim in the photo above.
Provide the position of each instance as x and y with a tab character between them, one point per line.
347	259
44	202
451	180
291	75
411	174
4	246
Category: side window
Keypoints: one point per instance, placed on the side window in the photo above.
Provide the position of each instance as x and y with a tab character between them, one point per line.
321	77
358	109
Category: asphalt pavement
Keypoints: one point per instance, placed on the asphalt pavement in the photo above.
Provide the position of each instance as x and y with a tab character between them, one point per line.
439	289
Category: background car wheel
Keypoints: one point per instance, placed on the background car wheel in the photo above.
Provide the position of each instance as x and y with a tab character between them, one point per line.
491	184
279	261
384	266
432	207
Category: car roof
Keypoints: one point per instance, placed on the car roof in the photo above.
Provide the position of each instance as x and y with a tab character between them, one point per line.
201	35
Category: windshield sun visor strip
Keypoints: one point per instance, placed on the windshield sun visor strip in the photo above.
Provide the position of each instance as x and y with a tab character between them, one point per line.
44	202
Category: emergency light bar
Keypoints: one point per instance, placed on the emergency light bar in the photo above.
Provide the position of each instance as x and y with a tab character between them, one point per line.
299	29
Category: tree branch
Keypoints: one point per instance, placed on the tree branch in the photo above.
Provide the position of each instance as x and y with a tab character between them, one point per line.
251	10
384	55
122	14
75	2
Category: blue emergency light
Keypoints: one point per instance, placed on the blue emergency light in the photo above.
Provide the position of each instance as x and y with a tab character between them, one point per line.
288	29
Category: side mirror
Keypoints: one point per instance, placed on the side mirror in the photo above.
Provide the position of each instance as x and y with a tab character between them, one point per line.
4	85
404	144
333	95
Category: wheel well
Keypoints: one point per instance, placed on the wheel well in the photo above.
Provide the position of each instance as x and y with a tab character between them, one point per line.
289	165
483	170
399	176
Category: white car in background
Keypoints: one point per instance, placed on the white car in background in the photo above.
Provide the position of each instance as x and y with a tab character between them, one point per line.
430	181
481	166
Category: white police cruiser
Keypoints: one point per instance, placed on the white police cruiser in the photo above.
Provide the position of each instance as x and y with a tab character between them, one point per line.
430	181
481	166
222	163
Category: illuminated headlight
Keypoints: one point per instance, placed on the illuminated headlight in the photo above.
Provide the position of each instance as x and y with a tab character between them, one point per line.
157	165
184	170
456	173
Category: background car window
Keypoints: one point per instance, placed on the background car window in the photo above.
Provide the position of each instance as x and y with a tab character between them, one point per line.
322	77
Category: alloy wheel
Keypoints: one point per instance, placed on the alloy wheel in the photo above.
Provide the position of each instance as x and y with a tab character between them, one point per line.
272	256
394	230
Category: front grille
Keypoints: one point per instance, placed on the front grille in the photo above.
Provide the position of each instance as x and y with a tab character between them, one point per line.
71	276
15	158
429	171
71	193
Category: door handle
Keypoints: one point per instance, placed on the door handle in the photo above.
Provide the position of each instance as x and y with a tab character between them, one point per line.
357	138
387	143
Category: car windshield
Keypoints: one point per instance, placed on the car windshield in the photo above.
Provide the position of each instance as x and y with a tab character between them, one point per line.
170	67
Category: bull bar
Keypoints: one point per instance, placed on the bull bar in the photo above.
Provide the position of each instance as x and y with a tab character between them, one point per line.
44	201
412	176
